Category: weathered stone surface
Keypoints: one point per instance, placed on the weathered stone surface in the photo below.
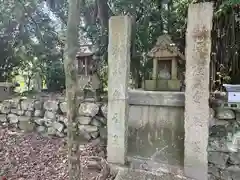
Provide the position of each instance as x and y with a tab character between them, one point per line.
104	110
84	120
27	104
8	103
87	128
212	177
5	108
230	173
95	122
218	131
103	120
38	105
117	131
60	134
233	168
3	118
156	98
48	122
225	114
221	123
51	105
237	114
3	124
212	119
90	99
19	106
38	113
65	131
74	124
197	90
96	142
63	119
88	109
94	135
39	121
234	158
41	129
103	132
218	158
13	102
27	126
85	135
197	113
218	144
224	175
58	126
25	119
213	170
14	111
234	145
50	115
20	112
211	113
63	107
13	118
235	175
131	174
51	131
28	113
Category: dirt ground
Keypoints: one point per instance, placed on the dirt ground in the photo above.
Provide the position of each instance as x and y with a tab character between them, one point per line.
34	157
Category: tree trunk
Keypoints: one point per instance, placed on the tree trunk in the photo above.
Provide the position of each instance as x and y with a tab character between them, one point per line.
71	49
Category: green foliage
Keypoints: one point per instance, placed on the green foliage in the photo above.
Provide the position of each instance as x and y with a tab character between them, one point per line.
55	77
226	6
33	42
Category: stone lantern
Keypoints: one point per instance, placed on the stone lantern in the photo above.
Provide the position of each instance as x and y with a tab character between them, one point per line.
166	56
87	76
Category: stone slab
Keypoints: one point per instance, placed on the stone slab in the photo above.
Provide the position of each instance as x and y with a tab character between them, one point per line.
130	174
117	131
197	114
119	51
154	98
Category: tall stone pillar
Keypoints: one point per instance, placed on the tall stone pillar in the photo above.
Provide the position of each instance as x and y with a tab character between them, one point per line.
174	69
198	41
155	68
119	51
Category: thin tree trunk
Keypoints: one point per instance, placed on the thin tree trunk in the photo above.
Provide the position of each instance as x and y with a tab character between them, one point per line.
71	49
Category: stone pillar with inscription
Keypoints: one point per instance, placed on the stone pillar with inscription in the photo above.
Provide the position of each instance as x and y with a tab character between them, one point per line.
119	51
198	49
174	68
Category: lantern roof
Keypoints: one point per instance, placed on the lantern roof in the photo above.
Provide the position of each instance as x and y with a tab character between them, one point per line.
165	48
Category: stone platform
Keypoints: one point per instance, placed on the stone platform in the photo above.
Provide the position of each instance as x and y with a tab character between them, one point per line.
130	174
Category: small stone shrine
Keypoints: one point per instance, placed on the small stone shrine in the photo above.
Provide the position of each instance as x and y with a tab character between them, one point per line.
166	57
87	76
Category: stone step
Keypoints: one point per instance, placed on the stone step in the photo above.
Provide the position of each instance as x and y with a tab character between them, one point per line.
154	165
133	174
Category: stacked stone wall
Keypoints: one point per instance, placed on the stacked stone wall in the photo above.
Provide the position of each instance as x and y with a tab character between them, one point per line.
223	149
48	116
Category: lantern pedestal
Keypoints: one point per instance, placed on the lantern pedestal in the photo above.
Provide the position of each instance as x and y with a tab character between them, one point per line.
162	85
90	85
